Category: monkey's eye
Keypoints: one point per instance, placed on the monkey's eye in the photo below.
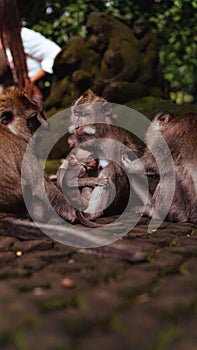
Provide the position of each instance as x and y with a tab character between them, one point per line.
6	117
81	113
34	115
84	114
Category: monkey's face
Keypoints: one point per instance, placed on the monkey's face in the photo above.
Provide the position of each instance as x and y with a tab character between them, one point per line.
82	114
140	28
85	116
91	163
98	27
79	156
20	114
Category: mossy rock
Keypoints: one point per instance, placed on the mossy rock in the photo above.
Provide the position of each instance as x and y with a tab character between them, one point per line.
108	61
151	105
74	70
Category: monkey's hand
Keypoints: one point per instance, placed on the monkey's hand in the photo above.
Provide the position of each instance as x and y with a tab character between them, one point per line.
71	214
132	166
144	210
101	181
125	161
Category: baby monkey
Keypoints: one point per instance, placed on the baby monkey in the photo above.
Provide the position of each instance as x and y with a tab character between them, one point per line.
78	176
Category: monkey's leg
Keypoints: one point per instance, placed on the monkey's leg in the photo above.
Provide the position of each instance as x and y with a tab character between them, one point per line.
44	191
181	201
166	207
141	189
137	180
78	189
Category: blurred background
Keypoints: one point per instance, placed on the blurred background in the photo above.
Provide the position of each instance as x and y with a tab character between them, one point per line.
173	21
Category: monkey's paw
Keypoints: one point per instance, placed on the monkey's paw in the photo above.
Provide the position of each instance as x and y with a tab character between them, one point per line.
144	210
102	181
70	214
125	161
132	166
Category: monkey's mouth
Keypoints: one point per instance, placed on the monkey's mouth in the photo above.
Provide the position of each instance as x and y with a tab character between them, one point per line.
80	130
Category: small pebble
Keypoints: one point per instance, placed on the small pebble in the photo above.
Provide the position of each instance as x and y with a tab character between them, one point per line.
71	261
67	283
19	253
38	291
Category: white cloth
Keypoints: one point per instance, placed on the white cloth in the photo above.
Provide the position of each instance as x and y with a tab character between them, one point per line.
40	52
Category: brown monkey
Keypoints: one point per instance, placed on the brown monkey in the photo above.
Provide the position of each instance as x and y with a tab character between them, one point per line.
19	119
179	133
20	114
91	118
78	176
92	122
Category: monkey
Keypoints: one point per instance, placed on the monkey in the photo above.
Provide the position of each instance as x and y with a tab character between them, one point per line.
78	176
111	66
148	46
91	119
92	123
73	174
20	114
179	132
20	117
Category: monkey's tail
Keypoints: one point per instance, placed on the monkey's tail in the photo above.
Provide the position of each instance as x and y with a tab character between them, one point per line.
87	222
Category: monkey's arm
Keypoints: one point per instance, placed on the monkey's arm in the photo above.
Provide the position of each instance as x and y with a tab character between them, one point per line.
70	181
88	181
129	66
145	164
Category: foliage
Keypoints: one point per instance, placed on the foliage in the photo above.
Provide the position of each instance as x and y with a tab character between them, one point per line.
176	26
174	21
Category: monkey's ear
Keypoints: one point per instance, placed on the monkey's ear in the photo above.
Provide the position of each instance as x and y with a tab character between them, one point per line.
164	117
6	117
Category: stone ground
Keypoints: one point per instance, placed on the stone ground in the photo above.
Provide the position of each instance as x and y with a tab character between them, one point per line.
138	293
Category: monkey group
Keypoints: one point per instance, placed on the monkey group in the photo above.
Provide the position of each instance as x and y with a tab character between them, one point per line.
92	126
92	181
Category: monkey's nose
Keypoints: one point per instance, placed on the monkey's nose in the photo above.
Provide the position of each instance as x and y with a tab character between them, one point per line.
79	130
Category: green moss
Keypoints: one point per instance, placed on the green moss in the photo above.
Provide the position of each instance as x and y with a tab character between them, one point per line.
51	166
183	269
53	304
58	303
165	338
174	242
151	105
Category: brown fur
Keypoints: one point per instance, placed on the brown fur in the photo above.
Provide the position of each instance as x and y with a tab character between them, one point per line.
19	118
78	176
92	122
180	134
20	114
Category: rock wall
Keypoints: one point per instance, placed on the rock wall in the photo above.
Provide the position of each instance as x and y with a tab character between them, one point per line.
112	60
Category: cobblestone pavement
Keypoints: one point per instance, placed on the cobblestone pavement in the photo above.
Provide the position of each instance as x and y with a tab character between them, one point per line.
137	294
